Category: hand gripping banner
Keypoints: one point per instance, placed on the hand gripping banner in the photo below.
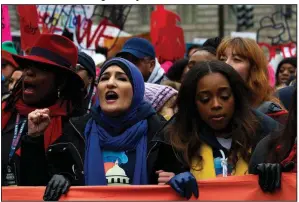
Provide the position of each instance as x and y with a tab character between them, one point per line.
219	189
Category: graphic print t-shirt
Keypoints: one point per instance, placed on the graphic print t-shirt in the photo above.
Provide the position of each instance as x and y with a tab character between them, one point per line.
119	167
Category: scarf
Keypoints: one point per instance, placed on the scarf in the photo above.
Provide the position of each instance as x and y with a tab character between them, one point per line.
157	74
54	129
208	168
122	133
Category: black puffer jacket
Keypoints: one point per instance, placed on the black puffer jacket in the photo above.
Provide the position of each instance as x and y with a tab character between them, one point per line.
274	111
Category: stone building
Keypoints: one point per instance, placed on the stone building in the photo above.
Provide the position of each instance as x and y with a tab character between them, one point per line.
201	21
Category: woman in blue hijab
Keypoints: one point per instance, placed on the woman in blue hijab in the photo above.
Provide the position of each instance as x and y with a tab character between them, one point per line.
116	135
121	145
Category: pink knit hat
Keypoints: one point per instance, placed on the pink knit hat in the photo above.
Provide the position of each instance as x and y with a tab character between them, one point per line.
166	66
157	95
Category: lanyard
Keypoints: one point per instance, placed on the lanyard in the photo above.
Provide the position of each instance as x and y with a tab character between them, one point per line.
223	164
17	135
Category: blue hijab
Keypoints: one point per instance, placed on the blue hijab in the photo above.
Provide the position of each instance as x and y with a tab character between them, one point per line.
126	132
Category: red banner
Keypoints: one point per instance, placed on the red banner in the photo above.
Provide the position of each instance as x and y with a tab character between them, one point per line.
5	24
288	50
222	189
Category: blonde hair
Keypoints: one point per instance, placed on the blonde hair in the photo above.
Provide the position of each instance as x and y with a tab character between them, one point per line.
258	76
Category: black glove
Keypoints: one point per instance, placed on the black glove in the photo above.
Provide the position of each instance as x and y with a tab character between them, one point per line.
57	186
185	184
270	175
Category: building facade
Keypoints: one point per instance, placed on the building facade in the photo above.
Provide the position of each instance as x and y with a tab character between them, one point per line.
201	21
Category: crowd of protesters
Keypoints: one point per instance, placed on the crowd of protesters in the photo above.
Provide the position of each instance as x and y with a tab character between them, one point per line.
68	121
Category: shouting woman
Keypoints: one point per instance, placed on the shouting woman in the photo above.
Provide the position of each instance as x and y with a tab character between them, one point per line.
49	91
118	131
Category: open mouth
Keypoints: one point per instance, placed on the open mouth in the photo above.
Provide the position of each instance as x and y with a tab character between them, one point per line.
28	87
111	96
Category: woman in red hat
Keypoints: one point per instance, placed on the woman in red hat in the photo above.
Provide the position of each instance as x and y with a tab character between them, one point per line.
49	90
8	66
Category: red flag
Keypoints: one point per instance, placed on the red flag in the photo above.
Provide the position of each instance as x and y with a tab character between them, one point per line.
28	25
166	36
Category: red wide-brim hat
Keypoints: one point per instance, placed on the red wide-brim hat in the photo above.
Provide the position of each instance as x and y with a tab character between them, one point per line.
56	53
5	55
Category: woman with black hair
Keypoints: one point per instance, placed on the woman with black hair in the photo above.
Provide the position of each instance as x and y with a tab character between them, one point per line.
286	70
214	130
276	153
49	90
177	70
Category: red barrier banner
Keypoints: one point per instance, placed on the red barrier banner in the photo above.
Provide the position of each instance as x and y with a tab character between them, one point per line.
219	189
